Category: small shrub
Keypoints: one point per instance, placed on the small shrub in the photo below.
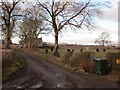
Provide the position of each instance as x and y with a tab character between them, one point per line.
83	61
112	57
86	56
66	57
87	66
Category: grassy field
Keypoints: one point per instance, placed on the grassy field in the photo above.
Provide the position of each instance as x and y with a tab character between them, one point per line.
77	49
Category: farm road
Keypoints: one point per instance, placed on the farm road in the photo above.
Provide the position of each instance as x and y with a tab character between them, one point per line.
45	74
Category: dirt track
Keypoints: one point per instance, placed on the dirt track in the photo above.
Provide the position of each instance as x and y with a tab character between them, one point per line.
44	74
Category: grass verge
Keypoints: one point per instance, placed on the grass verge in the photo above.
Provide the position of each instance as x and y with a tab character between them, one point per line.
11	64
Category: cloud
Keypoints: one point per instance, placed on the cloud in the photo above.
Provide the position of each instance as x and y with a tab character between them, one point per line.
110	31
82	36
111	14
108	25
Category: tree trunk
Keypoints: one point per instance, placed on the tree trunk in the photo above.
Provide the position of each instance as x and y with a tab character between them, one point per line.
7	38
7	44
36	42
8	32
56	53
29	44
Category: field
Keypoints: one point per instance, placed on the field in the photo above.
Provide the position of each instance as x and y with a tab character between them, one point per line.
77	49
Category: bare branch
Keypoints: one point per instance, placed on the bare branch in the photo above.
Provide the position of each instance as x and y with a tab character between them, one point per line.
46	8
76	14
61	9
44	18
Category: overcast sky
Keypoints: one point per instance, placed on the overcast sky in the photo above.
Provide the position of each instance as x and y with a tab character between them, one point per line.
108	23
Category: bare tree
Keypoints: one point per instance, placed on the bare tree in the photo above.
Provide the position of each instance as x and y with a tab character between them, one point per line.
31	27
30	30
61	14
103	39
8	14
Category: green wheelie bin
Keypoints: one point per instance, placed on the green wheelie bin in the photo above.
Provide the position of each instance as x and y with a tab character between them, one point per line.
100	66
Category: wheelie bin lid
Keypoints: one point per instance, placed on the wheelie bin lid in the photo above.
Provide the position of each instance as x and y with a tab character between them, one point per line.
99	59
